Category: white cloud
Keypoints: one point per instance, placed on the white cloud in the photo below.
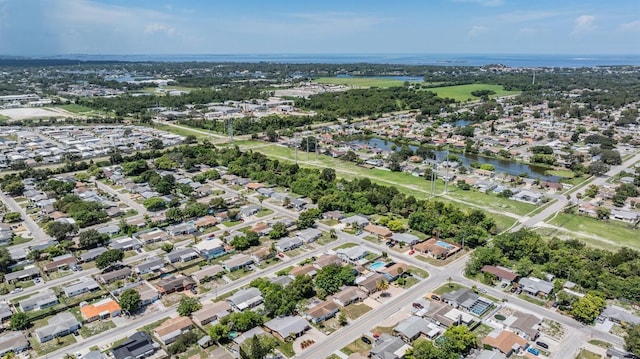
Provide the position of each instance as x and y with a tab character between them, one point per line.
633	26
159	28
583	24
483	2
477	30
525	16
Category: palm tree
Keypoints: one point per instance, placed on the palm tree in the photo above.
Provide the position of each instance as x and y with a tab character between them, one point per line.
332	234
261	198
382	286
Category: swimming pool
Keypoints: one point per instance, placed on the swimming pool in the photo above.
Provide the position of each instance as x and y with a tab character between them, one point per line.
376	265
444	245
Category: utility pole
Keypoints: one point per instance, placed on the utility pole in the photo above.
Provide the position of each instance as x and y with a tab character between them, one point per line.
295	146
446	180
231	130
316	151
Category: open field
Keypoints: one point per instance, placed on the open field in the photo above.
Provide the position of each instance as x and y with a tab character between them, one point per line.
594	232
463	92
3	118
73	108
360	81
160	90
27	112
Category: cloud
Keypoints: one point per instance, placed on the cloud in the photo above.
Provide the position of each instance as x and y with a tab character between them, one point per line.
583	24
633	26
477	30
525	16
482	2
159	28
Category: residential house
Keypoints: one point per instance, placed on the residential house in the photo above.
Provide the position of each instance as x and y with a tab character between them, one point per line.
437	248
378	231
461	298
306	269
406	239
262	254
245	299
357	221
104	309
394	271
298	204
148	293
491	354
125	244
327	259
58	326
288	243
172	328
348	296
524	325
113	276
84	285
40	301
27	273
91	254
237	261
5	312
333	215
109	229
411	328
137	346
309	235
64	261
287	327
505	341
182	255
207	273
205	222
619	315
181	229
352	254
211	313
15	342
211	248
503	274
261	229
370	283
151	235
249	210
446	316
323	311
282	280
535	286
175	284
150	265
388	347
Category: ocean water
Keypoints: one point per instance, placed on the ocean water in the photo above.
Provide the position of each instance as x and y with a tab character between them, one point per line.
514	60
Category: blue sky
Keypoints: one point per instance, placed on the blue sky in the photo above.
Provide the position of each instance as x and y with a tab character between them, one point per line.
48	27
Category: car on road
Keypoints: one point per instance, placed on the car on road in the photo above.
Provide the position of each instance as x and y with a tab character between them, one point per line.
17	290
483	291
366	340
542	345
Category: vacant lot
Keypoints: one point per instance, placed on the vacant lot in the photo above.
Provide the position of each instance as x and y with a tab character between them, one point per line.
463	92
25	113
603	234
360	81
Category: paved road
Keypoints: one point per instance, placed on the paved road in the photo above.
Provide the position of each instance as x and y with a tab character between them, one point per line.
125	198
38	234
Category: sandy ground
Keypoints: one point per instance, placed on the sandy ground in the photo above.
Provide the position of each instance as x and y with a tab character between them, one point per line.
28	112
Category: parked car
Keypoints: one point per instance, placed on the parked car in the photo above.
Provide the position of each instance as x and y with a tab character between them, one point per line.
281	255
418	305
533	351
411	252
504	285
366	340
543	345
435	297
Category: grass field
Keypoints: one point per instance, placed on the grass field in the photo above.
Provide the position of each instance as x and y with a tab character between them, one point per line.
360	81
609	234
3	118
560	173
463	92
75	108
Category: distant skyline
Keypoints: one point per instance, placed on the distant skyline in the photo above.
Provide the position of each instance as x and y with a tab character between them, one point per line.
121	27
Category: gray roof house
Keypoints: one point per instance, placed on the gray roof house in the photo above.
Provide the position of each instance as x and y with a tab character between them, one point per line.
211	312
388	347
245	298
463	297
110	229
60	325
619	315
85	285
349	295
357	221
411	328
91	255
118	274
249	210
24	274
351	254
309	235
536	286
5	311
289	243
182	255
42	301
287	327
406	238
237	261
124	243
149	266
13	342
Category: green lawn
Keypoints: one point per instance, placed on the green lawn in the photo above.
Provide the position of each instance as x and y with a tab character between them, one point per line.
560	173
611	233
463	92
360	81
447	288
42	349
357	346
346	245
585	354
264	212
75	108
4	118
181	131
491	201
355	311
95	328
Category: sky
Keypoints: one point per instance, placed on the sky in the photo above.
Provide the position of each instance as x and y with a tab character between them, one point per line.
121	27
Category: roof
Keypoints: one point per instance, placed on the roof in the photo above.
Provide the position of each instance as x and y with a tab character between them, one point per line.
211	310
396	269
137	345
92	254
387	346
289	242
306	269
174	283
371	282
463	296
120	273
45	297
323	309
491	354
209	245
206	221
94	310
527	323
238	260
327	259
504	341
242	298
309	234
286	326
358	219
59	323
412	327
27	272
84	285
171	325
352	253
620	314
349	294
378	230
208	271
535	285
181	253
500	272
405	238
12	341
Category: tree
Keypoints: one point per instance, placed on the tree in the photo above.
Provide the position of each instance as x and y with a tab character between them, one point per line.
219	333
261	199
154	204
382	286
424	349
598	168
188	305
130	300
92	238
278	230
603	212
591	191
167	247
308	218
329	279
19	321
632	340
109	257
342	318
156	144
257	347
459	340
12	217
13	188
189	139
60	230
588	308
395	225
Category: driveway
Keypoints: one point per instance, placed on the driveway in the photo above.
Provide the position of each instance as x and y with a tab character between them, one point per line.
312	334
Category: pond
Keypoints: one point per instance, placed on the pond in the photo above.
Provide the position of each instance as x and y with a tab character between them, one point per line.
501	165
